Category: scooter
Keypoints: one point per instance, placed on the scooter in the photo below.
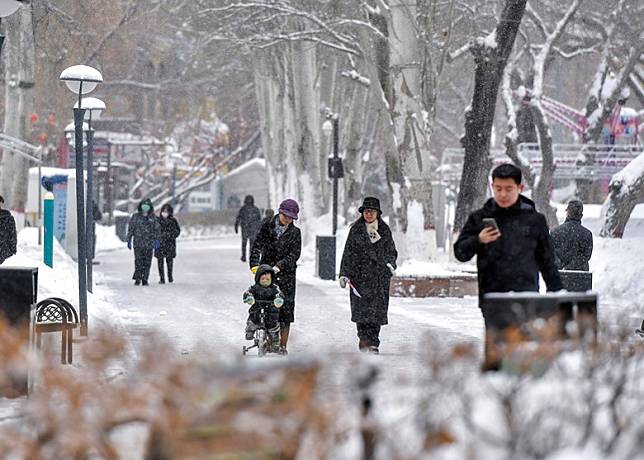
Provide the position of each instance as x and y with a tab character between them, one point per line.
262	340
640	331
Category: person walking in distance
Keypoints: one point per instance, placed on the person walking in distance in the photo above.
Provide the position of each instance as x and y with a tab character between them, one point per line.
250	220
167	251
512	244
143	236
368	263
573	243
279	245
8	236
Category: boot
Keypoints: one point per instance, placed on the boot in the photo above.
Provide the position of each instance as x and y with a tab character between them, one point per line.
363	346
144	283
170	278
161	271
137	282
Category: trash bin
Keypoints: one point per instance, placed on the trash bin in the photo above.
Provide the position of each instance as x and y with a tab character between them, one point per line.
18	299
325	257
120	222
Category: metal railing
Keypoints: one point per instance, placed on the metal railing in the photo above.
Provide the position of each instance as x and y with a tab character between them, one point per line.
572	161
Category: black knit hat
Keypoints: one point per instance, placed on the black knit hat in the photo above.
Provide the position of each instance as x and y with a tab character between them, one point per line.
370	202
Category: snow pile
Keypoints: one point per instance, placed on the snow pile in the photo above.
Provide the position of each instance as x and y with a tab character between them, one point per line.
106	239
617	272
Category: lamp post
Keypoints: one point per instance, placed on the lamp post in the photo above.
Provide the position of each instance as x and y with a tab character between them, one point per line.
325	245
93	108
81	79
335	169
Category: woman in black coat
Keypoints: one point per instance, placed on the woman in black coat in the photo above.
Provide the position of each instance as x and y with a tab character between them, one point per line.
368	263
167	250
143	236
279	244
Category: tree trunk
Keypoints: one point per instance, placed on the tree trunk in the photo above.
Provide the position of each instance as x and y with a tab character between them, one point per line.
13	112
27	63
307	127
410	121
626	189
543	187
490	62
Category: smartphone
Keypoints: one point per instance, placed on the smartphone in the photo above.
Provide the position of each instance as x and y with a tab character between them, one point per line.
490	222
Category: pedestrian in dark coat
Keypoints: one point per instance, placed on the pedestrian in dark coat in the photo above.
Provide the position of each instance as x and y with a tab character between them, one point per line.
573	243
8	237
510	255
368	263
143	234
279	244
167	251
250	220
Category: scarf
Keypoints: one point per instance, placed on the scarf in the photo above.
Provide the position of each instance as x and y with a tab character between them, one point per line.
372	231
279	229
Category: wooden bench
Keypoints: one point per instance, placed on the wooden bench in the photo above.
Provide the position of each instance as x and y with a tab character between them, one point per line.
56	315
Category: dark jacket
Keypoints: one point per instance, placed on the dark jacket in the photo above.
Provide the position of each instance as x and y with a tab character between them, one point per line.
249	217
259	292
513	262
264	294
282	252
8	238
573	245
169	232
145	229
365	264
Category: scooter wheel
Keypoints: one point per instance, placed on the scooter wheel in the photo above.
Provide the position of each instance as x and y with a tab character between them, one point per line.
244	351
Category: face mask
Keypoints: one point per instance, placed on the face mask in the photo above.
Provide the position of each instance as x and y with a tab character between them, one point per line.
165	214
264	282
145	208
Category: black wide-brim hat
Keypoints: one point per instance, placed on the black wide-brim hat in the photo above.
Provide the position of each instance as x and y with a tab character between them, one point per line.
370	202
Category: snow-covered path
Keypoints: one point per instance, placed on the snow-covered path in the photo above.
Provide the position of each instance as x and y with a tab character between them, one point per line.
202	312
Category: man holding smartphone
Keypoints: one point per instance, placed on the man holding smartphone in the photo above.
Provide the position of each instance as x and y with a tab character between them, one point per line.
510	239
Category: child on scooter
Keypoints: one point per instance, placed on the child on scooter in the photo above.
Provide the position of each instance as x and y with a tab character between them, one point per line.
264	290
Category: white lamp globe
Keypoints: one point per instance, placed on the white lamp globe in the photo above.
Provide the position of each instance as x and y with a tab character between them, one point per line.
92	105
75	75
8	7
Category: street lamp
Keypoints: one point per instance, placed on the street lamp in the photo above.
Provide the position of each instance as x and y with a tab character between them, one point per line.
93	108
325	245
8	7
335	169
81	79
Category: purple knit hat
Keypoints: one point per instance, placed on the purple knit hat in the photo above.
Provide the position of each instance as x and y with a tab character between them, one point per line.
289	208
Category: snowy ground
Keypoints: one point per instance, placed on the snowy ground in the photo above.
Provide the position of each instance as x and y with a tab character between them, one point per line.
203	316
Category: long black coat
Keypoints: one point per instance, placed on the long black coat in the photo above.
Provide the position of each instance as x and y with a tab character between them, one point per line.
144	229
573	245
250	220
513	262
169	232
8	238
284	253
365	264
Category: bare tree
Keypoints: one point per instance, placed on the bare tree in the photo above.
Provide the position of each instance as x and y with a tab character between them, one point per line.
490	55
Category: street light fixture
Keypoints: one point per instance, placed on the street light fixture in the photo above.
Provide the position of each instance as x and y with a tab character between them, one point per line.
8	7
335	169
81	79
93	108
